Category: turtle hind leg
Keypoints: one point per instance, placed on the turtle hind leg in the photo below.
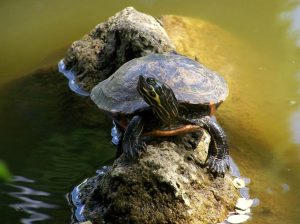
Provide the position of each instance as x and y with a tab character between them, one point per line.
217	160
132	144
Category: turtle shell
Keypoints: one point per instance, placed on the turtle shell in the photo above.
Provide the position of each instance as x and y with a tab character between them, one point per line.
191	82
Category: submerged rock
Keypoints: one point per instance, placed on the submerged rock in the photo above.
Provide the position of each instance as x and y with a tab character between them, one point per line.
166	185
128	34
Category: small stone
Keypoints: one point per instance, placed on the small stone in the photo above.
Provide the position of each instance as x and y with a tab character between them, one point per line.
238	218
244	204
238	183
243	212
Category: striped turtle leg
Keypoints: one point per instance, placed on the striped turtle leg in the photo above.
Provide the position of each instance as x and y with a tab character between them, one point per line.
218	156
131	143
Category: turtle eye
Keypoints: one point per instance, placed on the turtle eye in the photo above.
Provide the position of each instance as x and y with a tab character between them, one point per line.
150	81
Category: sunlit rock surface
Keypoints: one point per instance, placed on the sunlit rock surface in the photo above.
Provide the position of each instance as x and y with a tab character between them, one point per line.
166	185
128	34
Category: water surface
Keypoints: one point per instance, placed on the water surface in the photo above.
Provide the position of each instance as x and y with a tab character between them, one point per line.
52	139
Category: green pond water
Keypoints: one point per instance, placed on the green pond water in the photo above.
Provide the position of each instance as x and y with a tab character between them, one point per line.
52	139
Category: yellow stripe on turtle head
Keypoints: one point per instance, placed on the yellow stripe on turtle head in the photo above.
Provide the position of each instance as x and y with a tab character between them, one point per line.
156	98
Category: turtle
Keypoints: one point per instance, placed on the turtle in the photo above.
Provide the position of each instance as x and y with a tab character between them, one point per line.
165	94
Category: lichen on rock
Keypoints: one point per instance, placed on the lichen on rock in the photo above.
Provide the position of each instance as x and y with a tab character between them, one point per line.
128	34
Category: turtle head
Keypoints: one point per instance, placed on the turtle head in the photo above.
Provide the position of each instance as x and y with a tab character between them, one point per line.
160	97
151	90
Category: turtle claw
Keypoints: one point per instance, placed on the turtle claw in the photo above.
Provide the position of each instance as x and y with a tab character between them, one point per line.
218	166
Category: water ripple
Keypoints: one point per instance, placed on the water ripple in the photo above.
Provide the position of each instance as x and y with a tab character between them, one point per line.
27	204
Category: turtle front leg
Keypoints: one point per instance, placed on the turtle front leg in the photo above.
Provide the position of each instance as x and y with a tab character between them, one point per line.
218	156
132	143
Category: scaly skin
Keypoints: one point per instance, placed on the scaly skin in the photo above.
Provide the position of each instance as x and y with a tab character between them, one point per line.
132	144
218	156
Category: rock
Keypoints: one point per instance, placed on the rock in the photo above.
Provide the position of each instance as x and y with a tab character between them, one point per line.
128	34
166	185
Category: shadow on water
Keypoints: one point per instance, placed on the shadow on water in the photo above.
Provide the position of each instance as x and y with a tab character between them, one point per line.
57	139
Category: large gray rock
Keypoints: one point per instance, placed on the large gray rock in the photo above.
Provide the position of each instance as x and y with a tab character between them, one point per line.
128	34
166	185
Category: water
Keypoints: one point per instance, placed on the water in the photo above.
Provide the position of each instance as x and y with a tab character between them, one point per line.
52	139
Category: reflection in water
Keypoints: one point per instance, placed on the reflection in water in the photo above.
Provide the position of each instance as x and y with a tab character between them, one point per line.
27	204
294	17
78	207
71	77
57	146
295	125
294	31
285	187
